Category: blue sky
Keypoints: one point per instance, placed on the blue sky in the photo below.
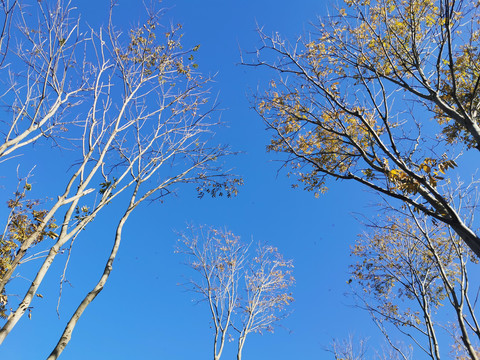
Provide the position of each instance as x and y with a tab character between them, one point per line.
143	313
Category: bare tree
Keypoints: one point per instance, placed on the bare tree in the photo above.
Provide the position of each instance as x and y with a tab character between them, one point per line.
245	295
349	349
128	106
358	349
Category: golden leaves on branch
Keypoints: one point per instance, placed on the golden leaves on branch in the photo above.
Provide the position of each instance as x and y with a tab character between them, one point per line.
24	221
432	170
153	57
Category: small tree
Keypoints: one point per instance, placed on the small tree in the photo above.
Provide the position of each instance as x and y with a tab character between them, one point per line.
244	294
349	349
353	349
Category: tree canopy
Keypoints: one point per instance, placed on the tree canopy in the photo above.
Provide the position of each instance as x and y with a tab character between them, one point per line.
384	93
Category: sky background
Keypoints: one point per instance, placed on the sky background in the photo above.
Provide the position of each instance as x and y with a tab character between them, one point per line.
142	313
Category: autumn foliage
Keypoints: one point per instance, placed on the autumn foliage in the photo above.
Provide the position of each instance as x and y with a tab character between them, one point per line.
384	93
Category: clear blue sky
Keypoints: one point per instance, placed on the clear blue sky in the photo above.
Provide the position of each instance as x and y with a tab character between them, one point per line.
142	313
